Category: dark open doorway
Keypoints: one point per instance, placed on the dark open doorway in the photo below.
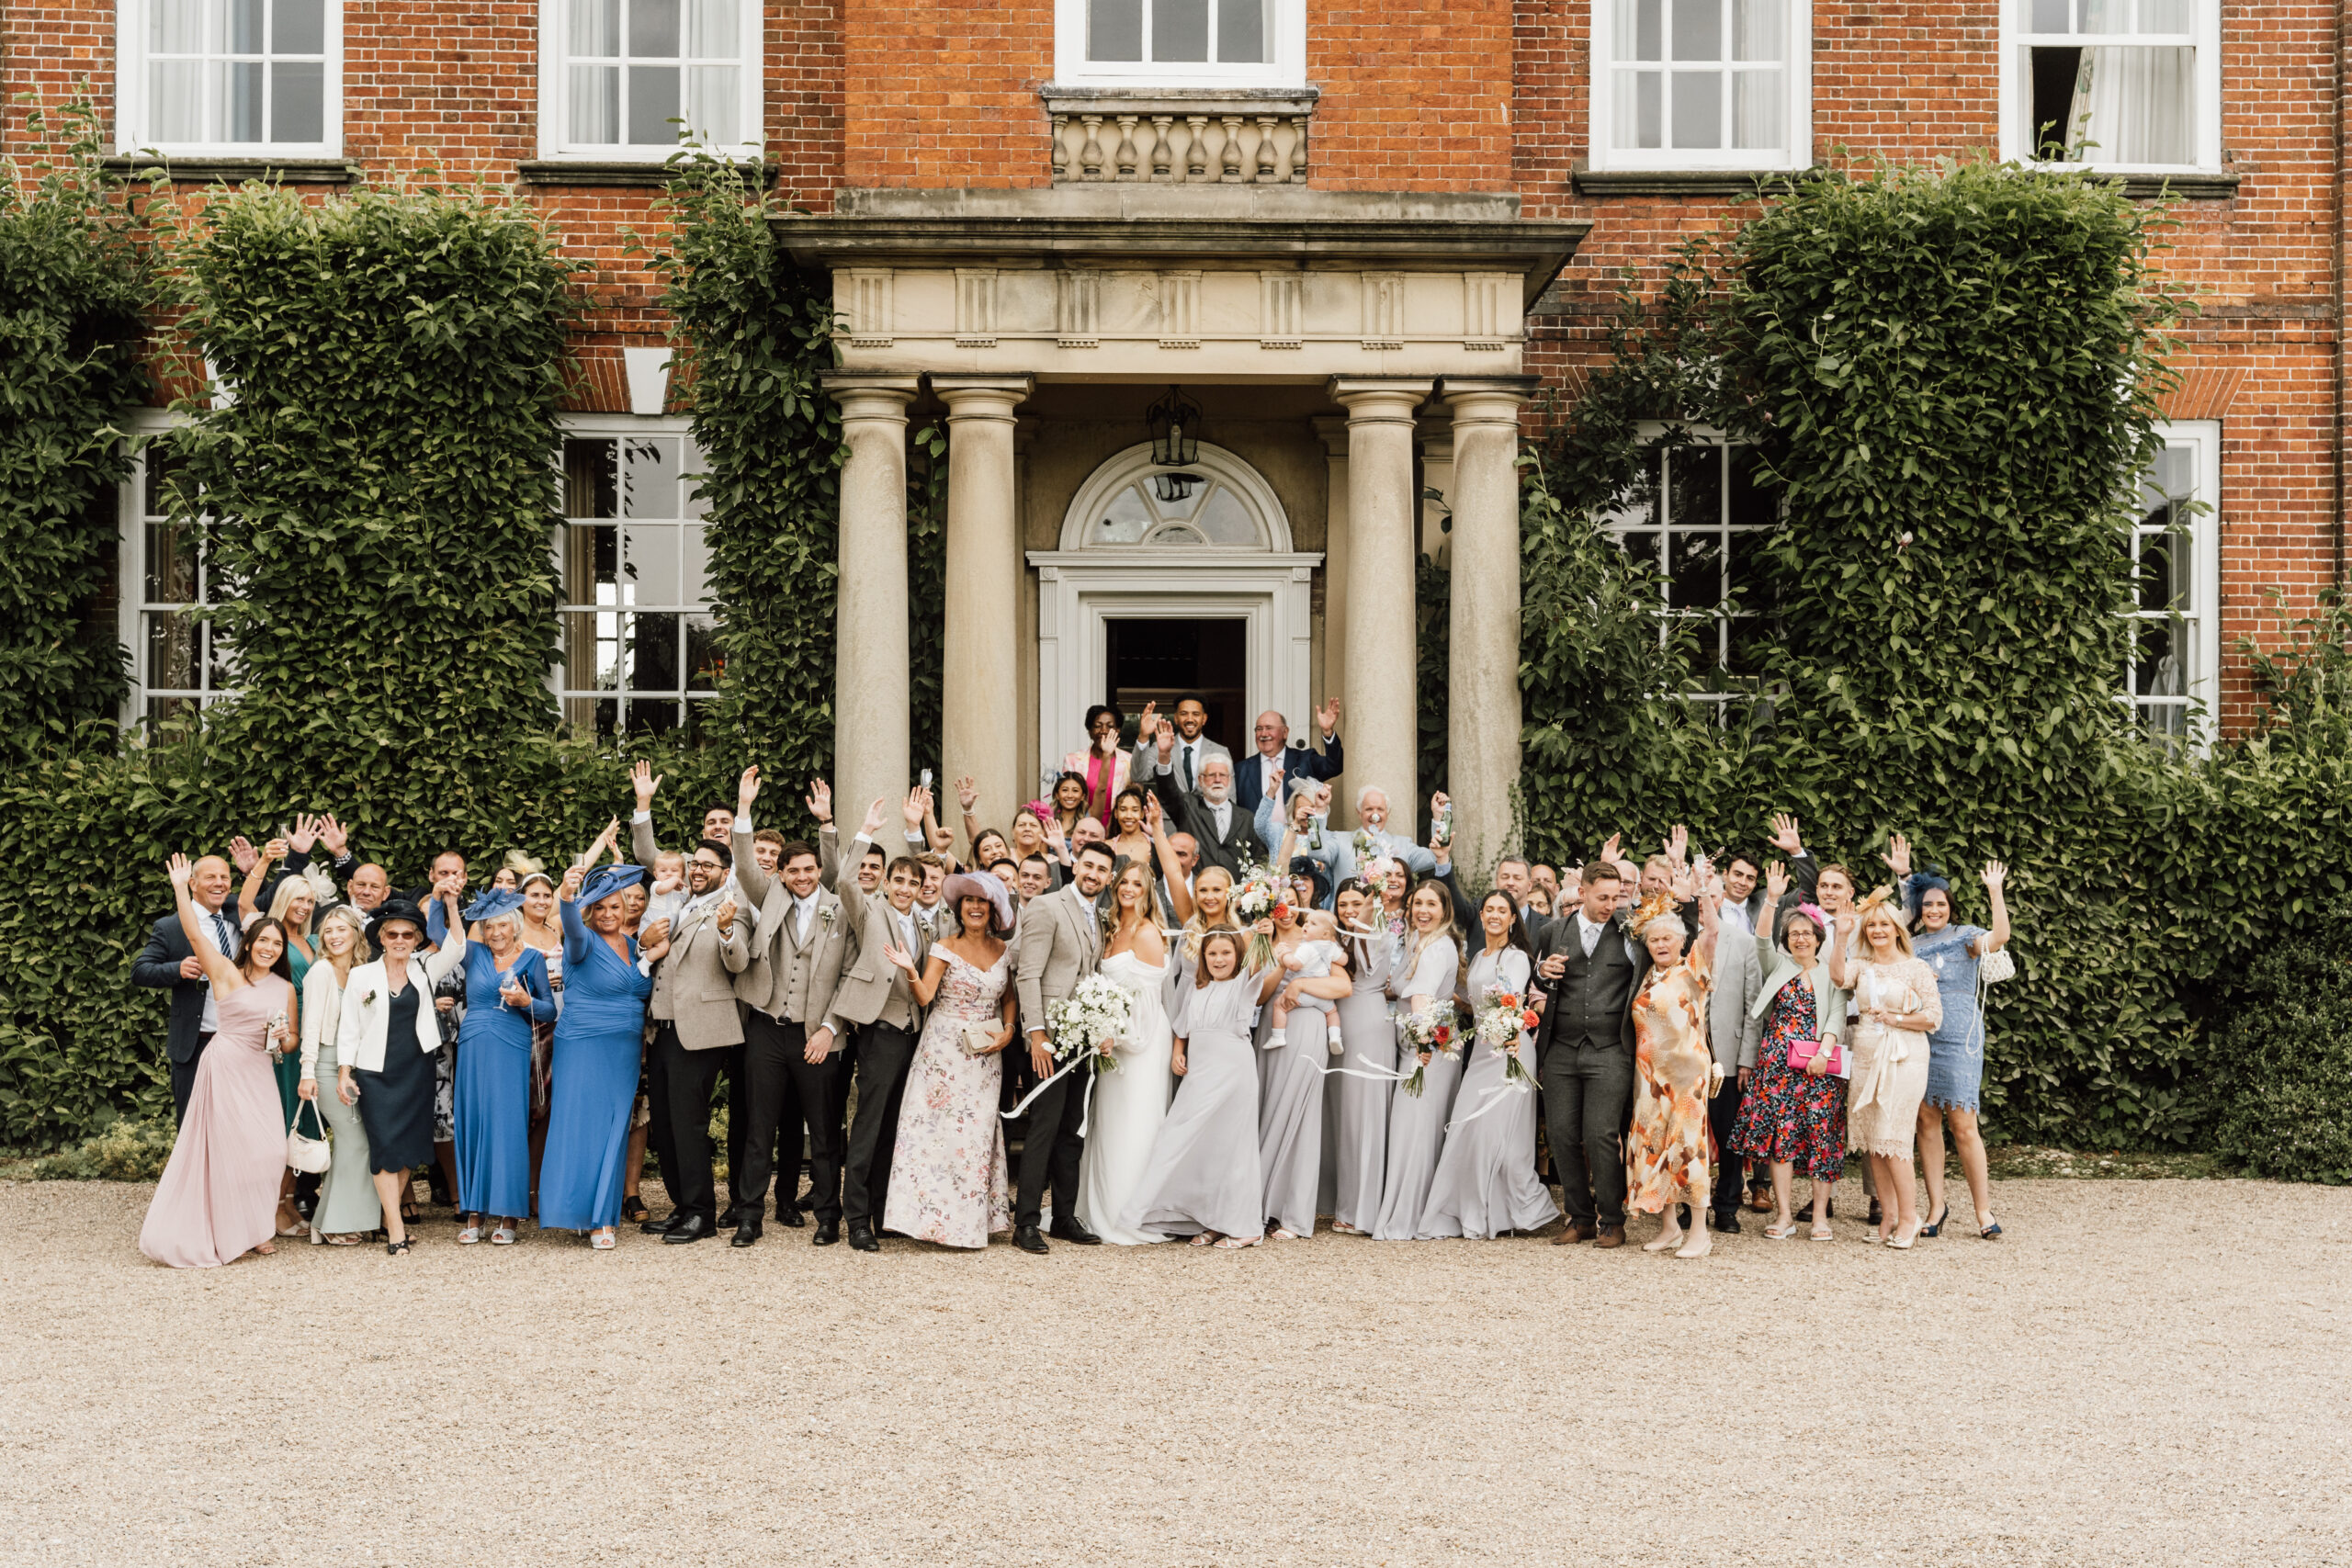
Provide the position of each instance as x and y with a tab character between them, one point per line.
1161	661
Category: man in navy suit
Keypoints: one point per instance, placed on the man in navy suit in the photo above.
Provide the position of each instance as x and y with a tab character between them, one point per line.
1277	759
168	963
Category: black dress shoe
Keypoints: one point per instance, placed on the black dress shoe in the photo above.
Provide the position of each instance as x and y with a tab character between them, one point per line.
746	1234
807	1203
662	1225
827	1233
1075	1234
694	1227
729	1216
1026	1238
1727	1221
786	1215
1876	1215
861	1238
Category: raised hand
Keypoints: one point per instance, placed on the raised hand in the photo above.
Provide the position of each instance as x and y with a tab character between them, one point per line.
243	855
914	808
1055	838
177	869
1614	850
333	835
1995	876
274	851
572	876
1784	835
1147	722
305	834
1776	880
747	789
1685	885
1899	856
1167	738
873	816
900	958
1151	814
821	800
1327	715
967	793
1678	844
644	781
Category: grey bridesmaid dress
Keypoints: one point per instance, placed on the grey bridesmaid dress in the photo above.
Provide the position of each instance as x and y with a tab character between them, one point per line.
1417	1122
1485	1181
1204	1174
1360	1106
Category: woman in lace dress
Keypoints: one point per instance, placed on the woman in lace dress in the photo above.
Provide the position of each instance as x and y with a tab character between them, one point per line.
1667	1152
1129	1104
947	1171
1896	1005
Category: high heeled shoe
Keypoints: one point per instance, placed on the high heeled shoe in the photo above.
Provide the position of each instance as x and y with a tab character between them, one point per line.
1936	1226
1991	1232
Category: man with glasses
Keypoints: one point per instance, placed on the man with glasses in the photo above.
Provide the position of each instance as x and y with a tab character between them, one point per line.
697	1034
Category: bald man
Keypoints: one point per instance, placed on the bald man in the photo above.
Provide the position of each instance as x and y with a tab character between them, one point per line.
1261	773
168	963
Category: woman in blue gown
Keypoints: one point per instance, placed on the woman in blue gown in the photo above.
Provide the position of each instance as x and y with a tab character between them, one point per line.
506	992
597	1042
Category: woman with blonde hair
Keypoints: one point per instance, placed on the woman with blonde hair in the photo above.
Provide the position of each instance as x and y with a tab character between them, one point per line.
1896	1005
291	905
347	1207
1428	964
1129	1104
1792	1106
1674	1070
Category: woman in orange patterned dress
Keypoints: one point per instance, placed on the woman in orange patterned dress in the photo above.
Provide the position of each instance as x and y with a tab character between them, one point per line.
1669	1155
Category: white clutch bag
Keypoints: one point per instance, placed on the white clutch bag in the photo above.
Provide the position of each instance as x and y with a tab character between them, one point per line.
1996	966
309	1155
978	1039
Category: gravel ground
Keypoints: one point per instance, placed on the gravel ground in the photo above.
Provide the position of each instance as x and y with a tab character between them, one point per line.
2140	1372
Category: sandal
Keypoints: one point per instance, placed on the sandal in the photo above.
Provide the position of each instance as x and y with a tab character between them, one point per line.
1936	1226
1235	1243
343	1240
632	1208
602	1238
1823	1233
1991	1232
503	1236
1341	1227
468	1236
1282	1233
265	1248
1779	1233
396	1249
1206	1238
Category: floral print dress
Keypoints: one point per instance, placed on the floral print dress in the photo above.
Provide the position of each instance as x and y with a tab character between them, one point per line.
1669	1152
947	1170
1790	1115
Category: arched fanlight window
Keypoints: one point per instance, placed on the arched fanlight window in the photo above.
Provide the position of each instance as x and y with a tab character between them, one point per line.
1211	516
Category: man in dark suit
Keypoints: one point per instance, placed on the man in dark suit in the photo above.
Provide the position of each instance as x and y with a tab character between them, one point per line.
168	963
1589	970
1261	774
1219	826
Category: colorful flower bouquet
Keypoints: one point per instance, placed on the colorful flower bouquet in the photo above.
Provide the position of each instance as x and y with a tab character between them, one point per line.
1503	1019
1431	1031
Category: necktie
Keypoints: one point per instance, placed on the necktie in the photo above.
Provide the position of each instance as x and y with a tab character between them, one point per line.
1185	777
224	935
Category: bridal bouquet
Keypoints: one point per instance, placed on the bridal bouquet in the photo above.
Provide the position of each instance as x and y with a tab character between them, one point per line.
1094	1017
1259	894
1503	1016
1432	1032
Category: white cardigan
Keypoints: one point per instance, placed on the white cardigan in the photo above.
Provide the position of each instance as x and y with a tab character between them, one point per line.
368	1005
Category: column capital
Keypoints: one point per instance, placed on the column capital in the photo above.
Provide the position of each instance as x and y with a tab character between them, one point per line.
867	394
1435	432
981	397
1332	430
1487	399
1380	397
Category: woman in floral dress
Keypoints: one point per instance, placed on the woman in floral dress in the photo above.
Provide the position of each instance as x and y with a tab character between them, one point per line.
1667	1154
947	1170
1794	1118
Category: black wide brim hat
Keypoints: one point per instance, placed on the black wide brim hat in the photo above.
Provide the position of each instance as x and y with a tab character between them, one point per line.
392	912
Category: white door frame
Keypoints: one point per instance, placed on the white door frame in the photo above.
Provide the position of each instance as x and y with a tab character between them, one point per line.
1080	591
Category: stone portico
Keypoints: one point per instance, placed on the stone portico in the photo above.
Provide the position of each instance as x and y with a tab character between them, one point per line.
1349	352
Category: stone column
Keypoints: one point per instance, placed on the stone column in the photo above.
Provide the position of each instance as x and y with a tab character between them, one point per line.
1482	716
980	732
1382	512
870	692
1333	432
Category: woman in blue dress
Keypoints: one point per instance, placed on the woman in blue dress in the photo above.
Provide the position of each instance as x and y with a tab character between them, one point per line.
506	992
1956	1050
597	1042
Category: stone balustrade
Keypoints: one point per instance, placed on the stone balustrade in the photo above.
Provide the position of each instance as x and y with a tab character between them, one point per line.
1237	137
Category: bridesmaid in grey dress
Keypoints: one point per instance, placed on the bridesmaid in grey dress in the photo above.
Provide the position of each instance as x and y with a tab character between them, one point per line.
1204	1180
1361	1103
1430	964
1486	1181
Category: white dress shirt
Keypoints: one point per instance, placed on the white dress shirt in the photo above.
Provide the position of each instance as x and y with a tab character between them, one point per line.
803	911
213	925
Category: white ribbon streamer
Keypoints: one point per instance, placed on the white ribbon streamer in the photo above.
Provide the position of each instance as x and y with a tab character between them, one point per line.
1086	1108
1378	1073
1495	1096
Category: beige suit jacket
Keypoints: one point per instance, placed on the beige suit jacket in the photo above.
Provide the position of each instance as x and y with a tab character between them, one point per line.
870	983
694	985
1057	945
787	978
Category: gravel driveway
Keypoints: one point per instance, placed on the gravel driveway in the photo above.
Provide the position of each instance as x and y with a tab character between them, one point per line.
2148	1371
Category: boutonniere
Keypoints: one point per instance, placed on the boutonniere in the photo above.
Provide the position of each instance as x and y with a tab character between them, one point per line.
368	1000
825	916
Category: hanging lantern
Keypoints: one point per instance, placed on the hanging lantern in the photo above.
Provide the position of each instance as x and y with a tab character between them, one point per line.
1175	423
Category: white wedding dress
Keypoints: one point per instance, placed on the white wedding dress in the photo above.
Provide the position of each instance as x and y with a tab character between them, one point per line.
1129	1105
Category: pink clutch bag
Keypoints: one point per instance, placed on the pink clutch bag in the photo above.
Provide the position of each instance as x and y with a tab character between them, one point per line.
1801	1052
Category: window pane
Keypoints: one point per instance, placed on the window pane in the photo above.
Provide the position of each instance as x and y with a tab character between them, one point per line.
693	570
1114	29
1638	122
650	478
174	646
176	27
2163	571
1694	486
2134	105
654	29
1749	644
1698	29
646	716
704	665
298	27
1752	506
593	107
245	26
1749	571
1641	545
592	479
649	562
2159	657
1697	571
1241	31
654	663
652	105
711	105
1179	30
176	89
1698	109
711	30
1641	23
1125	520
298	101
2106	15
241	99
1756	30
2164	16
171	564
1756	108
1224	520
596	28
2051	17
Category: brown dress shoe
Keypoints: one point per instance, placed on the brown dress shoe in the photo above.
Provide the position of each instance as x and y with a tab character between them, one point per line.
1611	1235
1572	1233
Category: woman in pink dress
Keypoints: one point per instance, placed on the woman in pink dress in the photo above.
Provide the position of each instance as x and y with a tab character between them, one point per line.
217	1199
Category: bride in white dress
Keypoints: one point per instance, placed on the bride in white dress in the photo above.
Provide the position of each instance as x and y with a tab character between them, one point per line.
1129	1104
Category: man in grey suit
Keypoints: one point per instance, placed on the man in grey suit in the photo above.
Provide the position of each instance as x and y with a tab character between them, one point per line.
1059	943
790	1051
1189	750
1739	976
1225	833
698	1030
875	1005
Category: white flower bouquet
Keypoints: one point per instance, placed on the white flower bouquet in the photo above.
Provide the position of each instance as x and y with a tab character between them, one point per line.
1094	1017
1259	894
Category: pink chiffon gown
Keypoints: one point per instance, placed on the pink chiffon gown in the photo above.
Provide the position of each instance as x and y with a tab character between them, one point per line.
217	1199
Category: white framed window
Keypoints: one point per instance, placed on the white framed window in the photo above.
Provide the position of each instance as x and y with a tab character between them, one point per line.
1701	85
1699	515
167	577
622	80
637	651
1160	43
2172	668
229	78
2126	86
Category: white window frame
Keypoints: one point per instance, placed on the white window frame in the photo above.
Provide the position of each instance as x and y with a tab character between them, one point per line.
1797	144
1287	69
1668	617
555	108
134	112
132	607
2202	439
2018	132
624	428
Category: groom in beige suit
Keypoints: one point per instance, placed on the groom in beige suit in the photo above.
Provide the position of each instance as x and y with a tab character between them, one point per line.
1058	944
698	1030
